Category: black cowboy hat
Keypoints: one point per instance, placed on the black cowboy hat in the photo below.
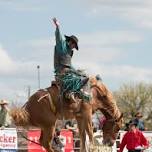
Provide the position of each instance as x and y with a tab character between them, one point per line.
133	123
138	114
73	38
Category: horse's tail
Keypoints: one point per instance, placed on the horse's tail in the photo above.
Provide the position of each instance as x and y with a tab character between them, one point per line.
20	116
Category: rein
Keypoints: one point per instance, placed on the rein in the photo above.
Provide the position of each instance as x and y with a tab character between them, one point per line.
29	139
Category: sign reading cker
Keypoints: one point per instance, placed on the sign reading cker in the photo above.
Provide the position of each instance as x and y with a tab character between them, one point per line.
8	139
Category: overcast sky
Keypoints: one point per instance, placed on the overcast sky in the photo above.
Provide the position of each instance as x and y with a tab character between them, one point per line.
114	41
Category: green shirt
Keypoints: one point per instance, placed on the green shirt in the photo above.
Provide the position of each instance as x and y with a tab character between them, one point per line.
3	114
63	53
61	45
5	119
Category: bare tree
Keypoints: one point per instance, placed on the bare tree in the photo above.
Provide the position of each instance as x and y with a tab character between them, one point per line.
135	97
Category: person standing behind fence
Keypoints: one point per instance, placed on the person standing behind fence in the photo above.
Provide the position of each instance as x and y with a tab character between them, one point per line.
4	114
134	140
139	121
57	143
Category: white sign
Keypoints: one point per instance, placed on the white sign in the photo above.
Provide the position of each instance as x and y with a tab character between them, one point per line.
8	138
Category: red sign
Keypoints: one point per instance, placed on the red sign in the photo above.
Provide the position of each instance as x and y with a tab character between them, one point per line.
69	140
34	135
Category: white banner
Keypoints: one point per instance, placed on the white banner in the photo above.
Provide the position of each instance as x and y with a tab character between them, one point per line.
8	138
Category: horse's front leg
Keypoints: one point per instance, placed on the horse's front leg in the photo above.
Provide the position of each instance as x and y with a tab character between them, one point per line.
82	134
47	135
89	127
87	123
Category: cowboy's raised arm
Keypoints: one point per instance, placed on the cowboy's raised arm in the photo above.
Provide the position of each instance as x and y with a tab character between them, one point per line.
57	32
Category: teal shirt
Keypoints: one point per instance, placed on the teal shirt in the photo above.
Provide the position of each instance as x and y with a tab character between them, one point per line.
61	45
62	52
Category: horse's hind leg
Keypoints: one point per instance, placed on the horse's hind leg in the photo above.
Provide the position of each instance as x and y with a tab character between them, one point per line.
46	137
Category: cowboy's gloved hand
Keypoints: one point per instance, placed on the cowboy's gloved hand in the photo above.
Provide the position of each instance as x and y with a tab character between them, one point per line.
55	21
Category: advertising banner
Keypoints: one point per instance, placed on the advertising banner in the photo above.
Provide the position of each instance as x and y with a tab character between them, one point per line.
34	135
68	135
8	140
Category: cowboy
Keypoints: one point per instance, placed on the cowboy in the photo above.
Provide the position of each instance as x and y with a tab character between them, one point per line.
71	81
4	114
134	140
139	121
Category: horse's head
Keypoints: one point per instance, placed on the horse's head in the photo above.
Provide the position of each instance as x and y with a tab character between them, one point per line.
111	129
104	101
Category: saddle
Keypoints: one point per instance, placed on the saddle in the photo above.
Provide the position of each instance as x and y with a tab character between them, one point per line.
73	103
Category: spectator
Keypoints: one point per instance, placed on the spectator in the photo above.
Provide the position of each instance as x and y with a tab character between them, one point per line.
133	139
126	126
57	143
95	121
138	120
70	125
102	121
98	119
4	114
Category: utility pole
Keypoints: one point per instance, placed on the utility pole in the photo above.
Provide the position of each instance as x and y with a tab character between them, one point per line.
28	91
38	75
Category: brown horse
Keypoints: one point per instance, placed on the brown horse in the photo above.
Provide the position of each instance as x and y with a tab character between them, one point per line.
45	106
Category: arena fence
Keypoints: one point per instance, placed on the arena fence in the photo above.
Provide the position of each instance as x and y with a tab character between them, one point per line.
12	140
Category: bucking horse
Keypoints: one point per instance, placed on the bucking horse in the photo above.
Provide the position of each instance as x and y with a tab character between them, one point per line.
46	106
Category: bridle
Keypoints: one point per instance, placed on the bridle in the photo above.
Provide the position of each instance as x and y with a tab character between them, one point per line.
114	121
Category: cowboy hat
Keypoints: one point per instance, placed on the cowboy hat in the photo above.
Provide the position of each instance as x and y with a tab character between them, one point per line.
73	38
138	114
3	102
133	123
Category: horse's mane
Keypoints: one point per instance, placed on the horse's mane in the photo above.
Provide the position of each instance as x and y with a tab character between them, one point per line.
110	105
